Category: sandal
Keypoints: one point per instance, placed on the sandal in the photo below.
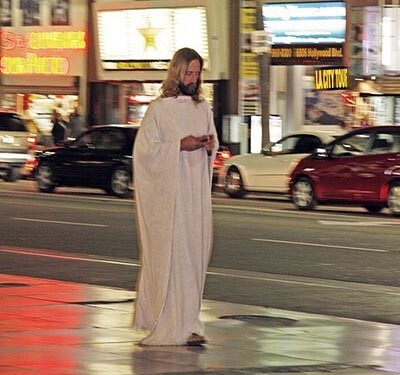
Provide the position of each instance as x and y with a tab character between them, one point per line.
195	340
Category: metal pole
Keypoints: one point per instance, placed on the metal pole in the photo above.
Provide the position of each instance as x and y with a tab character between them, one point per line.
264	60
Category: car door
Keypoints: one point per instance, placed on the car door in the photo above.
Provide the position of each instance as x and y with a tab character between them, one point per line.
107	151
339	176
70	160
269	171
382	155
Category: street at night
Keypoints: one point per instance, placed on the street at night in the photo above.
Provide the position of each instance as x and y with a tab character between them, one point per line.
291	110
339	261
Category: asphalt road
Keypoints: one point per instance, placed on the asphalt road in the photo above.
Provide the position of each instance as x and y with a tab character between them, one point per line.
337	261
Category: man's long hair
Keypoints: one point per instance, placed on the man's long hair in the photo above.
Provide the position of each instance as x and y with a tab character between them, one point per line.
176	73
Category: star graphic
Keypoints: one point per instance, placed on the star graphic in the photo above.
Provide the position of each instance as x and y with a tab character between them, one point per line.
149	34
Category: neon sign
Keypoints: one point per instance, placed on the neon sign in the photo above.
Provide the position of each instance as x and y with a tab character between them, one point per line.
33	64
62	40
36	63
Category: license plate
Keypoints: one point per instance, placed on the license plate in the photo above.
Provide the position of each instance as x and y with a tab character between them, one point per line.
8	139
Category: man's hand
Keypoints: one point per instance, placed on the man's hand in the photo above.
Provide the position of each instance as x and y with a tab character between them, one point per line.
209	145
191	143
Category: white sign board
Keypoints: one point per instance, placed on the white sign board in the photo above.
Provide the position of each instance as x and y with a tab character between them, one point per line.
260	42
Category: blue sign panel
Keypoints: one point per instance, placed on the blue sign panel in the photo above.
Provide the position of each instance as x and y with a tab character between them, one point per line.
305	23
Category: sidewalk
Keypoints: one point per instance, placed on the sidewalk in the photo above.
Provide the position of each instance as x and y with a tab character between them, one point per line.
59	328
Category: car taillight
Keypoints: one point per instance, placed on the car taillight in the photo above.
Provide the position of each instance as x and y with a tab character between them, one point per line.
217	163
32	140
221	157
225	155
32	162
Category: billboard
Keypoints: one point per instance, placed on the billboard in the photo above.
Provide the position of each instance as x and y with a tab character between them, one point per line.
145	39
306	33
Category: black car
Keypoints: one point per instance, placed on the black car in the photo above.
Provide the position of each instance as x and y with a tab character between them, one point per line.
101	157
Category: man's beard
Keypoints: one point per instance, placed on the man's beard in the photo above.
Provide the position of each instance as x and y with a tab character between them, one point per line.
189	89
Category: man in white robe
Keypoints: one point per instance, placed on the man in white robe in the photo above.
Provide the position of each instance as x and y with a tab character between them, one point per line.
173	160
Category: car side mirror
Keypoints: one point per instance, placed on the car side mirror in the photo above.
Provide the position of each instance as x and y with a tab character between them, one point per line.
272	149
266	151
320	153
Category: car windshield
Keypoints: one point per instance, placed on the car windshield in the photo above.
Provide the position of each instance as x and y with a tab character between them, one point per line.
102	139
297	144
385	142
11	122
354	145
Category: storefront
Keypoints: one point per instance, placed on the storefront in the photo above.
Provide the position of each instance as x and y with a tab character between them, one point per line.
43	58
134	43
375	64
303	36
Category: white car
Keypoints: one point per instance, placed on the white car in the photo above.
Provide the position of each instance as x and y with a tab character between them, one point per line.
268	171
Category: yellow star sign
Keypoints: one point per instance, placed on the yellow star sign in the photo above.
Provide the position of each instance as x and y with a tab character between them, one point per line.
149	34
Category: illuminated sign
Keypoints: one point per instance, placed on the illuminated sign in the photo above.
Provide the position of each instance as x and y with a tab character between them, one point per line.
307	55
33	64
146	39
389	40
331	78
136	65
306	23
39	53
306	33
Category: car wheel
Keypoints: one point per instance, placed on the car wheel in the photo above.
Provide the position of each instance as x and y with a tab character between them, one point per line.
303	194
393	200
234	184
12	175
44	178
120	182
374	208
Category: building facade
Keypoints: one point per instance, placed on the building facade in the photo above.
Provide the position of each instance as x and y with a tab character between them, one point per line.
43	57
111	58
133	42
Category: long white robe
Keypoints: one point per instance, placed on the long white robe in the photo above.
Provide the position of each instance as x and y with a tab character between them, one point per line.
173	207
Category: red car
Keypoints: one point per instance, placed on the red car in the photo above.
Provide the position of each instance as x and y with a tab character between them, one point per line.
361	167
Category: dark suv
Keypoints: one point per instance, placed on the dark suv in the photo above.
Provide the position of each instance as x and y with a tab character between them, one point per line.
101	157
14	145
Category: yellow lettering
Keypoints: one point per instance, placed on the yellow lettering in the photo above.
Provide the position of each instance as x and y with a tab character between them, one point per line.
57	40
33	64
341	78
330	79
300	52
281	52
337	52
318	84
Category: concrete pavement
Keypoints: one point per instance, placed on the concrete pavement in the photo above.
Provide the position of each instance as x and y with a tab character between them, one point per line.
50	327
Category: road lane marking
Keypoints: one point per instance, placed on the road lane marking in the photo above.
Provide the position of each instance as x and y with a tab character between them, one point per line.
321	245
306	281
221	272
358	223
66	256
309	214
59	222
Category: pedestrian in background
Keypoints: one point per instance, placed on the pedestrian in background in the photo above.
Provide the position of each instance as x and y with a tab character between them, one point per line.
77	123
173	161
59	130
